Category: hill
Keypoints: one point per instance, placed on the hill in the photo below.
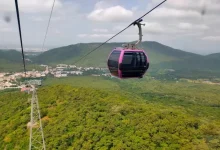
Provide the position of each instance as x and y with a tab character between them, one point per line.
157	48
11	60
10	55
158	53
145	114
214	56
161	57
197	66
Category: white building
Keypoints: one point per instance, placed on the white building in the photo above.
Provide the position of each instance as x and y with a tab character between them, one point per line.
43	65
95	75
2	75
57	75
72	66
63	75
38	75
62	66
7	84
43	75
76	72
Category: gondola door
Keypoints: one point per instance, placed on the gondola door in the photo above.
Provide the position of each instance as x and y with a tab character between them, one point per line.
133	65
113	62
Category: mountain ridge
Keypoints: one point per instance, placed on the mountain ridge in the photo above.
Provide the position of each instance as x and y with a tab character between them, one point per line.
157	52
160	56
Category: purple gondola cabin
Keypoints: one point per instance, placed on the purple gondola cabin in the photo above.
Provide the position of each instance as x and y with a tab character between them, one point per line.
129	61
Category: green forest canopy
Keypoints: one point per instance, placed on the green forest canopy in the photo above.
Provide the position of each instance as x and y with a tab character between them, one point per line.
145	114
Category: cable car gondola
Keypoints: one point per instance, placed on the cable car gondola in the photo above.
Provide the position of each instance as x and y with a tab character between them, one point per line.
129	61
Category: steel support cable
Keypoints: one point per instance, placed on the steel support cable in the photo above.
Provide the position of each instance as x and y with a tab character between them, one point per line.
19	27
119	32
48	25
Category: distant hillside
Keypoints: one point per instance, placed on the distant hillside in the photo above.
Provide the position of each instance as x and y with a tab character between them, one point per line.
71	53
158	53
11	60
10	55
157	49
161	57
205	63
214	56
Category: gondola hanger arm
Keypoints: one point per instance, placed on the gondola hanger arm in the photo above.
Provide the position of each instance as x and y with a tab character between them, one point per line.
138	23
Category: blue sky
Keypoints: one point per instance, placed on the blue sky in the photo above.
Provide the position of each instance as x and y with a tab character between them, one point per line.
178	24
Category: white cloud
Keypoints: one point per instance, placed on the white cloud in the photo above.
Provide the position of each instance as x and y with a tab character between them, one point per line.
173	29
152	27
185	4
101	35
57	31
191	34
170	12
135	8
184	25
6	29
95	35
118	28
31	6
183	19
45	18
82	35
209	6
201	27
55	18
121	37
177	23
6	5
37	19
169	29
100	30
111	14
199	6
189	26
102	4
212	38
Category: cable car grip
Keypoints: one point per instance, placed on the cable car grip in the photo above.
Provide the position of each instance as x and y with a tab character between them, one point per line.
138	23
134	46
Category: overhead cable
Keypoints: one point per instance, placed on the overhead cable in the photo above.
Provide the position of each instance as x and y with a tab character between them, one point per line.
19	27
119	32
48	25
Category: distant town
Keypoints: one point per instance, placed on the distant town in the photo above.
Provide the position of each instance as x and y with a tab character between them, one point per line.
13	80
16	80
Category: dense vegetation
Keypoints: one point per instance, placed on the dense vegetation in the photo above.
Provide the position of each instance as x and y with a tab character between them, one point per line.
102	113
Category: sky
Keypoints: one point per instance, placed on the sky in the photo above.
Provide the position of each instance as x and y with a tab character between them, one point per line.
190	25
